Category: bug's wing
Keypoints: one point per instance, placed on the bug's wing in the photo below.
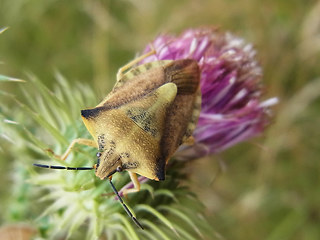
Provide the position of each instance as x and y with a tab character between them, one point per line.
145	78
136	83
149	114
185	74
179	120
184	112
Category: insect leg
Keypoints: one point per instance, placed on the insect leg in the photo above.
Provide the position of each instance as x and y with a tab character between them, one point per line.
82	141
133	62
135	182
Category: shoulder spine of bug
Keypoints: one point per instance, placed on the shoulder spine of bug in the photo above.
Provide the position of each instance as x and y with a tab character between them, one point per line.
152	110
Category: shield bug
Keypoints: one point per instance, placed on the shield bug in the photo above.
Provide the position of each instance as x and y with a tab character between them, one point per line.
152	110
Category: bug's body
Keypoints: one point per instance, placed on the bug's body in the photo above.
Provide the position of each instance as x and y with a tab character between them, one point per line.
150	112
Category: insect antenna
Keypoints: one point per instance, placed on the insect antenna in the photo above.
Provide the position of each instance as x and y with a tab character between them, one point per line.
62	167
113	187
125	206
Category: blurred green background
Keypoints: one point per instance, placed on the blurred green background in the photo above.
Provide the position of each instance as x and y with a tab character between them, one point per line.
268	188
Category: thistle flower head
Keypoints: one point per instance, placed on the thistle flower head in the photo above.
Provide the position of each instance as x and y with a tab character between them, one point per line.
230	85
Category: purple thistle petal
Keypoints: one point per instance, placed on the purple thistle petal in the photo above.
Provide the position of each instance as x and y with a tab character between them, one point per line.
230	86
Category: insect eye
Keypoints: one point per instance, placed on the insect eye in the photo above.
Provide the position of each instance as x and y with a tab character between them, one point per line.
98	154
119	169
